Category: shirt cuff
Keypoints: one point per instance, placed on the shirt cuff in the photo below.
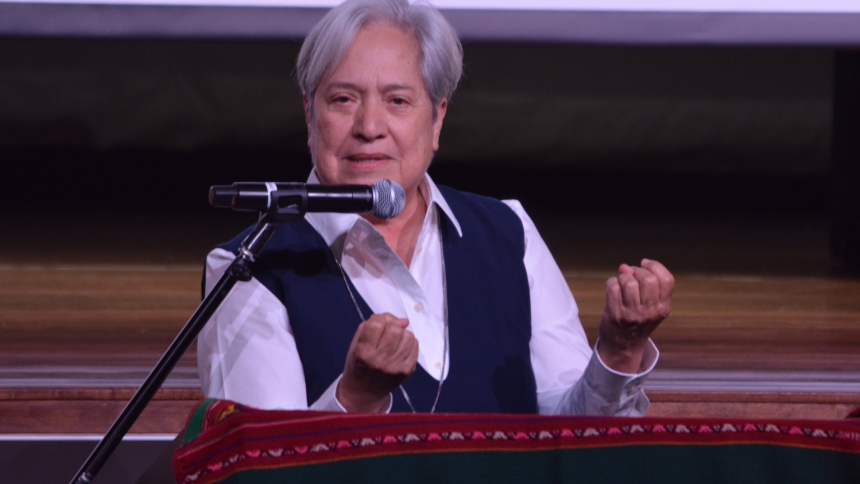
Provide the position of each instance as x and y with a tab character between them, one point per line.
649	359
328	400
617	393
604	391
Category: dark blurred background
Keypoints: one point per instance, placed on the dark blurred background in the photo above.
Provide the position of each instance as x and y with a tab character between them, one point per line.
716	158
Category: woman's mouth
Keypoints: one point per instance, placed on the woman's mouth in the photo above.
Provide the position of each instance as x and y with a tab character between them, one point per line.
367	158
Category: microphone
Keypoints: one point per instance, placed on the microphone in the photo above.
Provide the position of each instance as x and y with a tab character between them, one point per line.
384	199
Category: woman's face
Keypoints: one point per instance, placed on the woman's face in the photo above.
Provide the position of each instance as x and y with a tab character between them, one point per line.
372	117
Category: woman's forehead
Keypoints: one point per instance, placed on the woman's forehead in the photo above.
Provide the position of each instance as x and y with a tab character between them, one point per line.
380	51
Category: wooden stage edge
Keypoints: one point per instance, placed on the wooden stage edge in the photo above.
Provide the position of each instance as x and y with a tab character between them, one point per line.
67	411
77	340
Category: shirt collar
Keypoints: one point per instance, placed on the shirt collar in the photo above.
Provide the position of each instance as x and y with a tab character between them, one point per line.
437	198
333	226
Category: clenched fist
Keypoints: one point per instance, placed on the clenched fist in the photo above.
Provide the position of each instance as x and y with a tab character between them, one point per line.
637	301
382	355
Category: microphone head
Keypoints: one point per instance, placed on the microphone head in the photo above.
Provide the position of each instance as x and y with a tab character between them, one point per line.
388	199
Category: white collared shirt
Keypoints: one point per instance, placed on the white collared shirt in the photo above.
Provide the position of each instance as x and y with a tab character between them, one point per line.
247	353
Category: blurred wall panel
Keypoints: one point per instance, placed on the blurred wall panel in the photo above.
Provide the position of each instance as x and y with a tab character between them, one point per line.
689	109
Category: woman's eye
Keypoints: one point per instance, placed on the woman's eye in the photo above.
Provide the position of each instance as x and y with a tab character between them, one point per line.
398	101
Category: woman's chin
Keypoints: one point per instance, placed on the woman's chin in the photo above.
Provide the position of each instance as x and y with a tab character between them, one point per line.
367	172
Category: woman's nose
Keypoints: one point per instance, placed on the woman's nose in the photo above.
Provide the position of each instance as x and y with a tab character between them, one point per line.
370	122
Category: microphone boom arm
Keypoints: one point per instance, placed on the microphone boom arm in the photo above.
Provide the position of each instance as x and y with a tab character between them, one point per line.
287	206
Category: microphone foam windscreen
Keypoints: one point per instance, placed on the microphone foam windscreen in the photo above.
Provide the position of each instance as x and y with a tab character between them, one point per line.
388	199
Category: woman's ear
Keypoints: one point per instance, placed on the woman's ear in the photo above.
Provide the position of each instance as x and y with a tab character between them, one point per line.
306	104
441	109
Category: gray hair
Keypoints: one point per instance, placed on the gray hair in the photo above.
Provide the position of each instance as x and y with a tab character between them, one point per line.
441	54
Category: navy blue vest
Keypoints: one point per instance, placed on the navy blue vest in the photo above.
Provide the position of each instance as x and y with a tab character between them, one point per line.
488	307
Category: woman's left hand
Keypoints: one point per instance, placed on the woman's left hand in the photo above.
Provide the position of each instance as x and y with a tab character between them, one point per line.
637	301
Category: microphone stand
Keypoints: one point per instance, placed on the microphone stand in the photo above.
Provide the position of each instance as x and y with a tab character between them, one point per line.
285	206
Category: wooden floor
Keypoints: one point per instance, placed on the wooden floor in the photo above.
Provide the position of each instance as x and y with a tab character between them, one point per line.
760	327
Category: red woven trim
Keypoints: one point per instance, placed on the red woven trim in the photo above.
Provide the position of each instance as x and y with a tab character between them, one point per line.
261	440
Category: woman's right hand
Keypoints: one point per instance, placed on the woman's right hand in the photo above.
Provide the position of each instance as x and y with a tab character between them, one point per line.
382	355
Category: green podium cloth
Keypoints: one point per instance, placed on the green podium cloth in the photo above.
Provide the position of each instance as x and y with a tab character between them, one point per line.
229	443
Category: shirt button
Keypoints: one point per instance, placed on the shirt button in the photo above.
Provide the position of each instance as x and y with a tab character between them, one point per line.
418	250
418	308
438	364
